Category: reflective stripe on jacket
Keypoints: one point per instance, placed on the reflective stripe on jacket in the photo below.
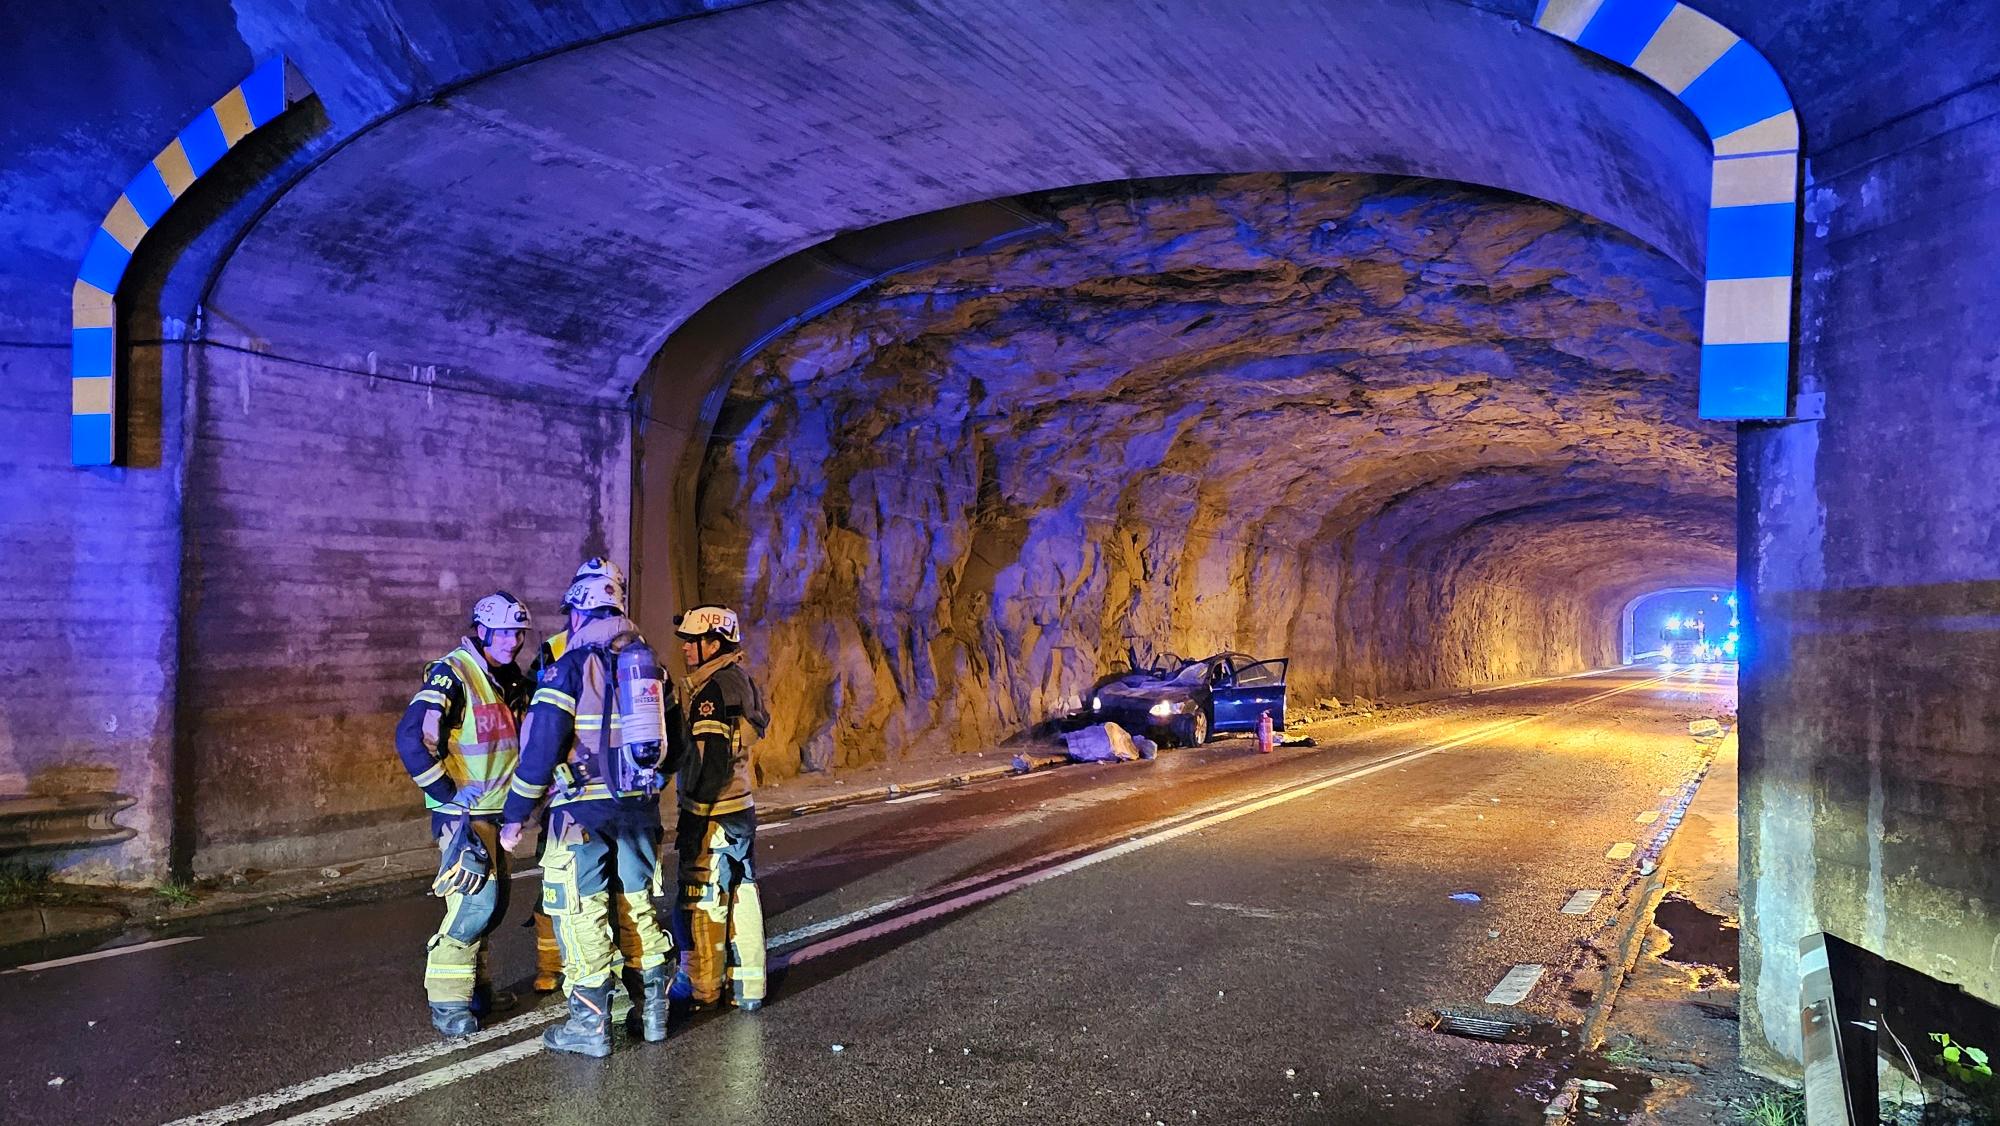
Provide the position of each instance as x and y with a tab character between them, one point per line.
720	716
485	747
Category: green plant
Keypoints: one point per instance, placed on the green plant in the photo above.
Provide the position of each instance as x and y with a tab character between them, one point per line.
177	893
22	884
1625	1051
1968	1066
1775	1108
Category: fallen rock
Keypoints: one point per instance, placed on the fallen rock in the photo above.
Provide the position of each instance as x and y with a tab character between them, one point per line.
1108	742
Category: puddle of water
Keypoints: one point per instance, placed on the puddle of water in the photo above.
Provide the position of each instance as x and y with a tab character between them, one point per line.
1700	938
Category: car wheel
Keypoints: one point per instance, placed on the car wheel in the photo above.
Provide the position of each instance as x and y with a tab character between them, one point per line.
1198	729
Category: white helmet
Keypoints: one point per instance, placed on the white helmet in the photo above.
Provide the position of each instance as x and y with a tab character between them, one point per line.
593	592
709	621
500	610
598	565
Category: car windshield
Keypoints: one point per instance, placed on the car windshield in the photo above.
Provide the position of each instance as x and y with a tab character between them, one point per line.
1192	673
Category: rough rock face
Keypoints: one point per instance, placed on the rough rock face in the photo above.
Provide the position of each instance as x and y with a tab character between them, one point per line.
1411	434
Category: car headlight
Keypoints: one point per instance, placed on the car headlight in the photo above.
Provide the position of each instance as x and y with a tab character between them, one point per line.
1097	703
1163	708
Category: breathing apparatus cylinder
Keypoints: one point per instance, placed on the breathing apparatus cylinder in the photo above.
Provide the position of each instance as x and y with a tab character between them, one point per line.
642	708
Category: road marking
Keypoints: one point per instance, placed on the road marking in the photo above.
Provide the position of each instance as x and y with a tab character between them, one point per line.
1582	902
99	955
1515	987
914	797
250	1108
1648	817
395	1092
995	890
415	1085
1620	851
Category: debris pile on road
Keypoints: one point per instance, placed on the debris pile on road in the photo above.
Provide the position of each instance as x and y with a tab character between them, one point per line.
1107	742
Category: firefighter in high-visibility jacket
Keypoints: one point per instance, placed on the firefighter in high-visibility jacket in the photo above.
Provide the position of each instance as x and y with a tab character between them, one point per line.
548	955
594	742
459	741
718	716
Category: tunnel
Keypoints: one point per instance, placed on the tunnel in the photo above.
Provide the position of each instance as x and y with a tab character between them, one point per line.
966	350
1410	434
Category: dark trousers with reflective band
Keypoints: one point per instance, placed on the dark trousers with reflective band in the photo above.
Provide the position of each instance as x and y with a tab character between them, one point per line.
456	961
549	953
583	872
722	916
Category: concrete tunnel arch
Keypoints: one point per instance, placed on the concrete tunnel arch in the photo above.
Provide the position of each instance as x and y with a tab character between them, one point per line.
423	244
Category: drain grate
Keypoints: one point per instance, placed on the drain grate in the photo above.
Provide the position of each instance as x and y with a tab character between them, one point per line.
1479	1026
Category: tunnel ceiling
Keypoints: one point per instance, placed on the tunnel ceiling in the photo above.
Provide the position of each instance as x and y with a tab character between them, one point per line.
1342	363
542	228
1409	433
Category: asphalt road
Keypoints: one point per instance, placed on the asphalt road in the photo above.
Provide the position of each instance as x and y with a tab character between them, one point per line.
1214	935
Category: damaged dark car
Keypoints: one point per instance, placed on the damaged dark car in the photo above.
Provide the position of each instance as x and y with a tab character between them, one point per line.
1176	701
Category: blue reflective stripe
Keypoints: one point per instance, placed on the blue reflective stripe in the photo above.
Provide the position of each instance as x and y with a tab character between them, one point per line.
264	91
90	439
1739	89
149	194
1745	380
104	263
90	353
203	141
1621	28
1751	242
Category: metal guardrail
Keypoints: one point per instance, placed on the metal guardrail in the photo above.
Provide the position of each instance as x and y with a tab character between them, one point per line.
61	822
1839	1037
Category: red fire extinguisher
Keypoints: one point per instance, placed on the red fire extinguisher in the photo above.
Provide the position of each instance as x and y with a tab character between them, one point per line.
1267	737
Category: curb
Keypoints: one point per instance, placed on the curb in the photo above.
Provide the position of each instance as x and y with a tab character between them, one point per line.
1653	864
922	786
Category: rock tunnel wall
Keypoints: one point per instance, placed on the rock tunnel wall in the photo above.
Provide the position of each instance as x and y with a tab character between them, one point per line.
1412	435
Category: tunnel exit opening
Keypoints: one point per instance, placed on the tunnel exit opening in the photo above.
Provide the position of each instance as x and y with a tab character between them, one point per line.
1653	622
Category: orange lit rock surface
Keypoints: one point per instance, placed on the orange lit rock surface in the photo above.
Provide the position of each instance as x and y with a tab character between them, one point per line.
1411	434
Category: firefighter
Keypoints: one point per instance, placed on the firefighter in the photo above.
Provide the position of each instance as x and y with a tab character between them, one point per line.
548	955
595	734
459	741
718	715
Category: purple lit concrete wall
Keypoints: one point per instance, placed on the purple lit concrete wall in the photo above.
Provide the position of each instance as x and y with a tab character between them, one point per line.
1871	556
339	529
89	559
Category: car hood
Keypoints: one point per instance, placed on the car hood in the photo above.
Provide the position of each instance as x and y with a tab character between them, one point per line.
1146	690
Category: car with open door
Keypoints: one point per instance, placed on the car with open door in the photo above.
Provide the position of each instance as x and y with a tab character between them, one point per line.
1187	702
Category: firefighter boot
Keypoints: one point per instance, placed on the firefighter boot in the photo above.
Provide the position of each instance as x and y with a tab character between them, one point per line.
588	1030
653	1007
453	1019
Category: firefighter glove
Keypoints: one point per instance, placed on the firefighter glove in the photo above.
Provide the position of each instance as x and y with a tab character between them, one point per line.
466	865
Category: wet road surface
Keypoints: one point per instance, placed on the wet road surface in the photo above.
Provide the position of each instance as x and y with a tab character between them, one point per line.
1216	934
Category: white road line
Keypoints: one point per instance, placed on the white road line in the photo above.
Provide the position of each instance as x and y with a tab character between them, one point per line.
1620	851
99	955
994	891
1515	987
914	797
1647	817
250	1108
1582	902
415	1085
396	1092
